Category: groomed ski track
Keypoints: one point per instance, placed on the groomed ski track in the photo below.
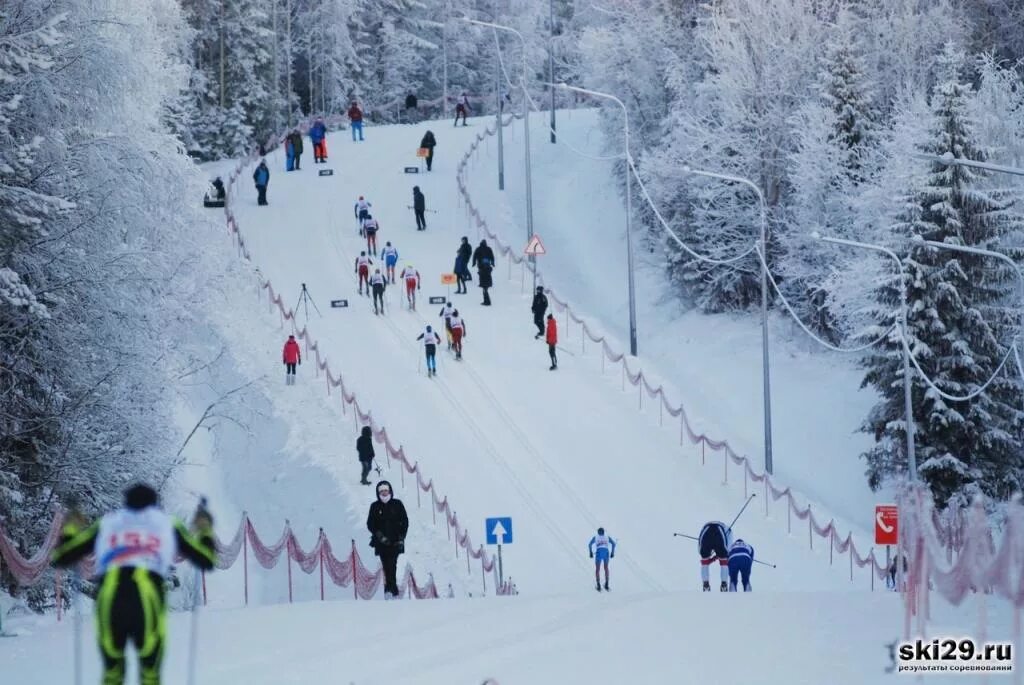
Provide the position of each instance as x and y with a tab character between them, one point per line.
501	435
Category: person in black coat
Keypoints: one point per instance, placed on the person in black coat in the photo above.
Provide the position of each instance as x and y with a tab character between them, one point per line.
364	447
419	206
462	258
540	305
296	139
429	142
483	260
388	523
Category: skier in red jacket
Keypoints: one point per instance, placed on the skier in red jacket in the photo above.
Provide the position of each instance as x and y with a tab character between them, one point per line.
292	355
355	116
551	336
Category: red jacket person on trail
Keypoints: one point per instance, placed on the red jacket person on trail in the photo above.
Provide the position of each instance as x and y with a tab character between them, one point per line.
291	355
551	337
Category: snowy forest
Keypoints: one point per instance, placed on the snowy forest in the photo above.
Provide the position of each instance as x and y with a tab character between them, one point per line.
106	106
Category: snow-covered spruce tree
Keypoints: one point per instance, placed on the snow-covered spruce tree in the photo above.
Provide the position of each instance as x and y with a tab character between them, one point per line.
836	152
961	319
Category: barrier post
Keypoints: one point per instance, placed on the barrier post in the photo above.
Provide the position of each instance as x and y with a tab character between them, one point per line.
203	572
789	515
321	541
661	410
355	591
59	597
483	572
850	538
468	555
245	557
745	469
288	552
416	468
703	456
640	391
725	465
831	541
810	526
766	495
456	517
433	504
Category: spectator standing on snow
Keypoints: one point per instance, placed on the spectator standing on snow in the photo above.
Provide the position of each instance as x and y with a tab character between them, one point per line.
364	448
483	260
462	273
429	142
539	307
261	177
296	139
461	109
551	338
292	356
355	116
419	207
388	524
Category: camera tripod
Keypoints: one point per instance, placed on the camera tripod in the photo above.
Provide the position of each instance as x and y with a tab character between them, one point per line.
305	299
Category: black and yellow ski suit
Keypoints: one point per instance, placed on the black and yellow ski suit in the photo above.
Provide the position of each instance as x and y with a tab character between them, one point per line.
130	601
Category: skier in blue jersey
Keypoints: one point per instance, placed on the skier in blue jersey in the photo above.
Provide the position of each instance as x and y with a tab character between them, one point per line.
741	559
605	550
713	543
390	257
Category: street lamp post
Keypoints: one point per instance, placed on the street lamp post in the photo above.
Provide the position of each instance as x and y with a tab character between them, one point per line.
949	160
629	209
526	137
907	405
765	374
551	63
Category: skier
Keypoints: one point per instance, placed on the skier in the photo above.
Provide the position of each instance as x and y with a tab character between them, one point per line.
363	269
429	143
370	227
447	311
318	137
551	337
458	328
602	542
713	543
388	523
483	260
540	305
412	283
461	108
390	256
430	340
378	283
135	548
292	355
462	266
362	210
741	559
419	206
261	177
355	115
364	448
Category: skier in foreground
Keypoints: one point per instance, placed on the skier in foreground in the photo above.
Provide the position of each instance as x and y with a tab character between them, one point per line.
458	331
291	355
602	542
741	560
135	547
430	340
713	543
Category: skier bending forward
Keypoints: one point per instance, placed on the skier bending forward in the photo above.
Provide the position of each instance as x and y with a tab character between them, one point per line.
713	543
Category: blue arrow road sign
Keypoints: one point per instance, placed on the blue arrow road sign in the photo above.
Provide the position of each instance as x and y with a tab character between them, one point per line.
499	530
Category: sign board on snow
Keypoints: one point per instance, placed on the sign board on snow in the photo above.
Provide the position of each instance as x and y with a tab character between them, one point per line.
325	172
887	524
534	247
412	170
448	279
339	303
437	300
498	530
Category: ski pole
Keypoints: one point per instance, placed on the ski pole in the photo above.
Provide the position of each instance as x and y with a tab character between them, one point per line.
76	590
758	561
742	510
194	637
684	535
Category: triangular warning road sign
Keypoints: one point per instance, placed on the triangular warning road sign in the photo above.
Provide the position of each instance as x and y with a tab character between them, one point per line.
534	247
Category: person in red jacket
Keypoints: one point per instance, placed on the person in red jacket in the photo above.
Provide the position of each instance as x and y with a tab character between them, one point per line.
292	355
355	115
551	336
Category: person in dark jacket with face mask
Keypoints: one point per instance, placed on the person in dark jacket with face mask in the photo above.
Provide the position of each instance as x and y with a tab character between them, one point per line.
364	447
388	523
540	305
